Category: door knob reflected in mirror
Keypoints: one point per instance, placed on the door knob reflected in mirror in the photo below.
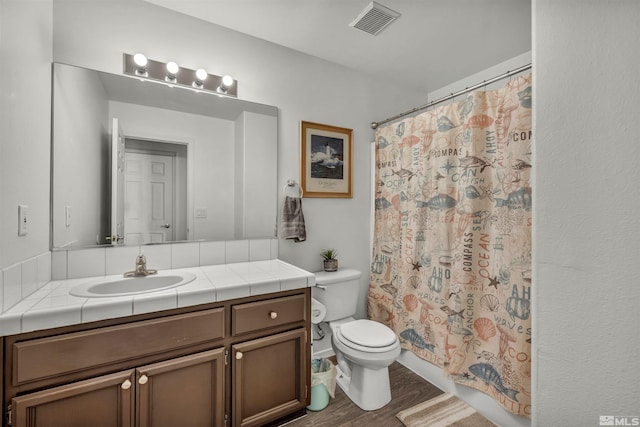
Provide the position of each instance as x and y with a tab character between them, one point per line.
166	226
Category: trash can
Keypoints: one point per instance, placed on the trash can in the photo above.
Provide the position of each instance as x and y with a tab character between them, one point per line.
323	383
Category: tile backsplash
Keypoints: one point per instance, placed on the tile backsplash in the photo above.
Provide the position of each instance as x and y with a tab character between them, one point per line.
22	279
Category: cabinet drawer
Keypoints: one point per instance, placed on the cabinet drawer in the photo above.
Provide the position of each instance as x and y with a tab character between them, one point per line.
259	315
62	354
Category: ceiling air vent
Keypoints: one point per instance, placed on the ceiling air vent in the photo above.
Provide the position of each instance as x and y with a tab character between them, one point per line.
374	18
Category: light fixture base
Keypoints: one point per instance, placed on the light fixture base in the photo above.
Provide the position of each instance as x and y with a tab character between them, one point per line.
185	77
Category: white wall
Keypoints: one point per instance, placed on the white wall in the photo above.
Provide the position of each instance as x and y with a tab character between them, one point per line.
256	137
482	76
238	171
25	108
81	133
301	86
586	231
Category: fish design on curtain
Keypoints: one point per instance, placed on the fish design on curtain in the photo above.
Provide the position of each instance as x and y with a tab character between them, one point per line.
451	266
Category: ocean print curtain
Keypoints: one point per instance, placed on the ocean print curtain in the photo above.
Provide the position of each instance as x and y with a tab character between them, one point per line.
451	267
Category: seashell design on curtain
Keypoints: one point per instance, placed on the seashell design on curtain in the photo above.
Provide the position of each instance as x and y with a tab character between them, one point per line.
451	266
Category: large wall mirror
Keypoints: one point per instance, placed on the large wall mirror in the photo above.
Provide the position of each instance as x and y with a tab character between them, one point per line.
139	162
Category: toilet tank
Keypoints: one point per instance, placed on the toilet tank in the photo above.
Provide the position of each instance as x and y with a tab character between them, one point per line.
338	291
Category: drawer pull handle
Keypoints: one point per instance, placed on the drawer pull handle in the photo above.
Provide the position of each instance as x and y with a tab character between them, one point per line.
239	355
143	379
126	385
273	314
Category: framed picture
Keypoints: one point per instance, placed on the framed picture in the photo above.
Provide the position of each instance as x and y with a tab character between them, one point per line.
326	160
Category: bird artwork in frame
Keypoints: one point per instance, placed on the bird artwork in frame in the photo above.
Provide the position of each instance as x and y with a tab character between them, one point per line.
326	167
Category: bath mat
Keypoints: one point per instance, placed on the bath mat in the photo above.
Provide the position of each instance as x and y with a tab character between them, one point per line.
446	410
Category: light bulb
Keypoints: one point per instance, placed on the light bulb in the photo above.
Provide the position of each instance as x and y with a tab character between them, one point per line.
140	60
201	76
227	81
172	68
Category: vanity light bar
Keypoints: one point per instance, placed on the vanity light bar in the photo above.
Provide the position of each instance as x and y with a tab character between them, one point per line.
155	70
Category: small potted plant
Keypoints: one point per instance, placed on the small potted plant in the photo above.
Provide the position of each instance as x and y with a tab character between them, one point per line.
330	260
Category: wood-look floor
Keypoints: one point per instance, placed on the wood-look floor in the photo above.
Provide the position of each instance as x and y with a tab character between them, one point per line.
407	389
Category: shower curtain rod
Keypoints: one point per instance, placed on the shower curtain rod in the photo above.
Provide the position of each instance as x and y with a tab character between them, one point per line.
374	125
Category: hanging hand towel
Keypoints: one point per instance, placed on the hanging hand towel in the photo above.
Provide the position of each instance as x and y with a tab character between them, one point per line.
292	226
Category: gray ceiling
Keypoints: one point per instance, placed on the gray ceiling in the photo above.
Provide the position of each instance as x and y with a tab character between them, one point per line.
432	44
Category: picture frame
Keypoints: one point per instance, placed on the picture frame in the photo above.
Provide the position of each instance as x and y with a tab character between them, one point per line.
326	163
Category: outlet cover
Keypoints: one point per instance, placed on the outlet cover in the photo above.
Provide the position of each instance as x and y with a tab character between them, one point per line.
201	212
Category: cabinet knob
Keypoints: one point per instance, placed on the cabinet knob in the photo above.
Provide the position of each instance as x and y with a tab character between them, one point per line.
239	355
273	314
126	385
143	379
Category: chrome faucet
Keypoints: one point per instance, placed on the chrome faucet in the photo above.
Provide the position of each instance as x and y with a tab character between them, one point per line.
141	268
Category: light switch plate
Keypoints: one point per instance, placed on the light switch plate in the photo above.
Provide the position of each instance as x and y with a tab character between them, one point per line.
67	216
23	220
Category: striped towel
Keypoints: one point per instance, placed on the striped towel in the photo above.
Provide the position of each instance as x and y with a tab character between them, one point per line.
292	224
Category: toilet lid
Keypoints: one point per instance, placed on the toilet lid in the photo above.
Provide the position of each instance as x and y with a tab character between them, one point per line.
368	333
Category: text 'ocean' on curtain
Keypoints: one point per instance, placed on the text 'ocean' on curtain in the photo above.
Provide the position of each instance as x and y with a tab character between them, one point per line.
451	267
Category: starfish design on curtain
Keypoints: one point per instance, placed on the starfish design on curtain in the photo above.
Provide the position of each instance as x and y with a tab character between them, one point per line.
493	281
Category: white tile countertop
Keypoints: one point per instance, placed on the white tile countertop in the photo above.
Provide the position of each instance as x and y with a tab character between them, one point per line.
52	306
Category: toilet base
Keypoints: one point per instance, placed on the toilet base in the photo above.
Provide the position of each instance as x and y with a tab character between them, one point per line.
368	388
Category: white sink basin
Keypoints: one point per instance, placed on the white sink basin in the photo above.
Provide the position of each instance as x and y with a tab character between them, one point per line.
122	286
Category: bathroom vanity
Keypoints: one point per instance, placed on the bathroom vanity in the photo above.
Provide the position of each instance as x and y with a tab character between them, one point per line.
229	348
238	362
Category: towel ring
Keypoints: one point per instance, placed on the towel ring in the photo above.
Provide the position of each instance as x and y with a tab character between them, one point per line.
292	183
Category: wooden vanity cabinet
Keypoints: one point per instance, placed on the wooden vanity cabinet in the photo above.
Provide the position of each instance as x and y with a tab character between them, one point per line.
187	391
243	362
104	401
146	396
269	374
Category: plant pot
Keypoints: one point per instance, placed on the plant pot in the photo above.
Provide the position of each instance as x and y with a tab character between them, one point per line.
330	265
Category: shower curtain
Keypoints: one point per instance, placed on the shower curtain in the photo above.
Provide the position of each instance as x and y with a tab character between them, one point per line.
451	266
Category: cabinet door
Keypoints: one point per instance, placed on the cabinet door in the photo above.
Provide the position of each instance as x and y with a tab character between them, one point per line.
269	377
186	391
105	401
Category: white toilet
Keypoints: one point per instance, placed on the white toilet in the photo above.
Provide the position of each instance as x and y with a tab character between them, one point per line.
364	348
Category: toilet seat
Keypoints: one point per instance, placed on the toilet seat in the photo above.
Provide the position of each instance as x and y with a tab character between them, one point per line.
367	336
